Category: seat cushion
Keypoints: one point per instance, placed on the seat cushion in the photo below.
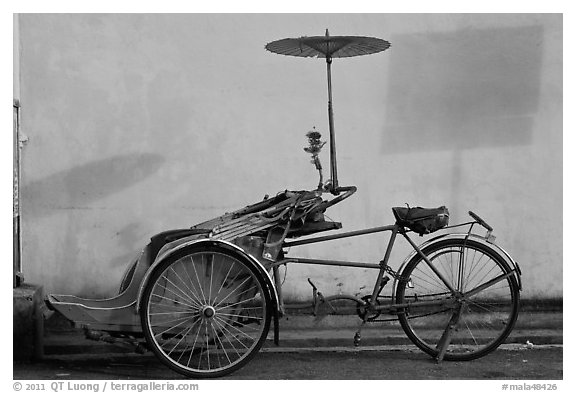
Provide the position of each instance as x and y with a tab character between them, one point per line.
422	220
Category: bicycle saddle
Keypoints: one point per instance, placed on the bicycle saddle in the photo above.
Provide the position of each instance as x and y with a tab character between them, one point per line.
422	220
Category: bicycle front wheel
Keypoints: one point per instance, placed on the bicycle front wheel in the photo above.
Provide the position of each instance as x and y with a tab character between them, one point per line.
205	312
487	294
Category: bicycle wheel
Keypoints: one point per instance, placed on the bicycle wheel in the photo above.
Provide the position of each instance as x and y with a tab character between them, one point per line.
206	312
486	316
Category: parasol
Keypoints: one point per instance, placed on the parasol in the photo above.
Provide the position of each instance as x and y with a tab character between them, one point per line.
329	47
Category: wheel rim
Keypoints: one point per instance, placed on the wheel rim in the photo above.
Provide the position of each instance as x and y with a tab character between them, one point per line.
486	317
206	313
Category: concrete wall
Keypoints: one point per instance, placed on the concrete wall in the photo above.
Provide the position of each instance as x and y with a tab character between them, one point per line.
141	123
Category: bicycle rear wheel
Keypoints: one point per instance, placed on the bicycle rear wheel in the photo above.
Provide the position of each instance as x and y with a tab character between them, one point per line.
205	312
487	315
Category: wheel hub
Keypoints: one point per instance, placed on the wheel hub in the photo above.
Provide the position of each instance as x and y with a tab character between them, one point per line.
208	312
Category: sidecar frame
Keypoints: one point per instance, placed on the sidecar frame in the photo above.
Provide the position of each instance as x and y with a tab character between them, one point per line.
121	313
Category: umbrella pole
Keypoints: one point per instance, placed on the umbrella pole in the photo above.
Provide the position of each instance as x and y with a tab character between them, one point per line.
333	168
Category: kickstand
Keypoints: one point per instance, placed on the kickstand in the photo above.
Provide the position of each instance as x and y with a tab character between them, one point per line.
448	332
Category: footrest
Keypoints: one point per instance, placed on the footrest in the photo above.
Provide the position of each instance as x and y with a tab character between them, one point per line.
313	227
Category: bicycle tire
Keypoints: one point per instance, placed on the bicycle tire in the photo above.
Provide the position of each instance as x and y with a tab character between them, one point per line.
211	336
491	313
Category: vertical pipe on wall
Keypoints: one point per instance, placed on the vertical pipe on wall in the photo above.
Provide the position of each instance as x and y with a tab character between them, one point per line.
17	264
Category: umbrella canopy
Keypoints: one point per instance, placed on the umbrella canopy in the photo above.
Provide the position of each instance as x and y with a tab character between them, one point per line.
328	47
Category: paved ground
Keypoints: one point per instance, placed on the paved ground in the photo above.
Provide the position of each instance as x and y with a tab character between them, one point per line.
511	362
312	349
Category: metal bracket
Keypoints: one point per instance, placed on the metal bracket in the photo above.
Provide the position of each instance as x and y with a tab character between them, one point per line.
490	238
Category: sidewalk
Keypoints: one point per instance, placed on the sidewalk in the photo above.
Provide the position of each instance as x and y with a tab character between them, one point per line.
539	328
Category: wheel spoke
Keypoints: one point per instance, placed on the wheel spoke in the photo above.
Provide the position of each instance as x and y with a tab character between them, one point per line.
235	304
217	336
170	300
474	265
228	337
439	286
234	327
173	312
182	338
448	269
190	291
236	315
185	297
207	345
211	277
170	328
193	348
487	273
224	281
234	290
225	325
198	279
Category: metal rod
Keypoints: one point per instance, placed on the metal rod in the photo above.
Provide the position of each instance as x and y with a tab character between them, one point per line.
383	264
333	167
339	236
307	261
278	285
417	303
488	284
460	280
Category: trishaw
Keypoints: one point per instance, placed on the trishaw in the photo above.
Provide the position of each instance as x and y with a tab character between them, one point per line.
203	299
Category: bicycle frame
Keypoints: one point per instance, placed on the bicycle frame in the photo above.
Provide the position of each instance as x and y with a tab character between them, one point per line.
382	266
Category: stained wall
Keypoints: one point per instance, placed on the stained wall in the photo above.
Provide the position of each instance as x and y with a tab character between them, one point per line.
142	123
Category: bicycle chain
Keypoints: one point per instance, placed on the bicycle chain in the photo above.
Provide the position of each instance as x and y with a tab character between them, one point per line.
395	275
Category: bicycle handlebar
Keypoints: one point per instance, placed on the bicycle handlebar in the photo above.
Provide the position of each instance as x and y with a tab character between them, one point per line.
348	191
480	221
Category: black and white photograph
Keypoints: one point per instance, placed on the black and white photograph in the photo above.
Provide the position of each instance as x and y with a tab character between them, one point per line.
355	196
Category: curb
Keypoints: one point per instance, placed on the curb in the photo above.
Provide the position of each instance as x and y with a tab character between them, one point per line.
74	342
391	348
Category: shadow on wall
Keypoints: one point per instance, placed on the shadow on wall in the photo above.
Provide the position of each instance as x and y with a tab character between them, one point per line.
78	187
463	89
